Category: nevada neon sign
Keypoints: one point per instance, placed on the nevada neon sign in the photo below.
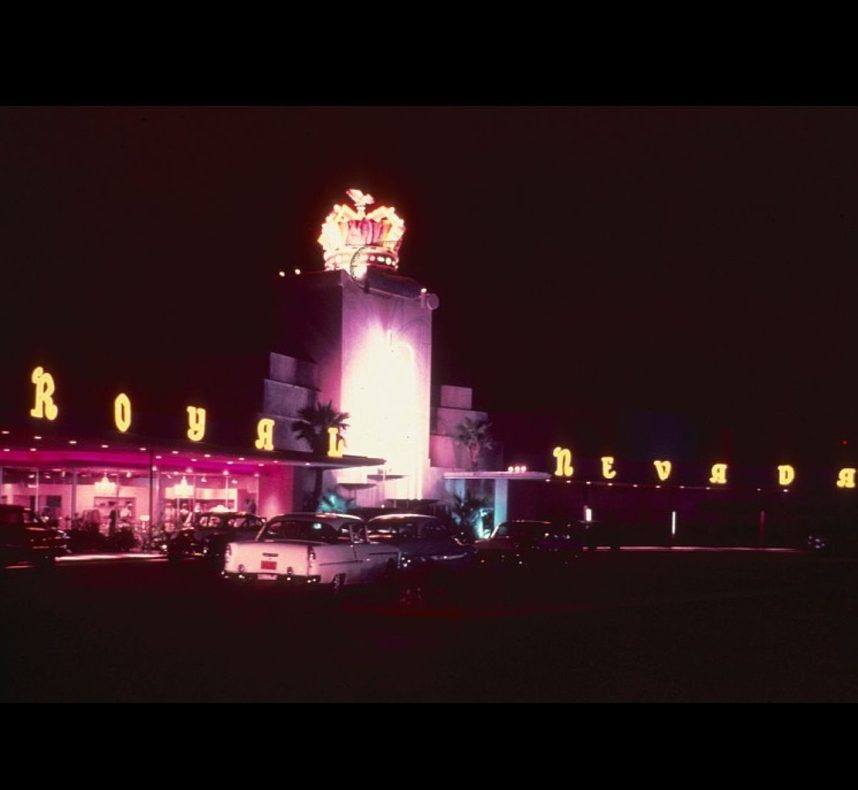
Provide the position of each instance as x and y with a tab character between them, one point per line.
784	474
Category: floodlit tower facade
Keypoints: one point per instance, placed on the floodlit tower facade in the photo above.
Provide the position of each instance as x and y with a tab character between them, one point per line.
368	329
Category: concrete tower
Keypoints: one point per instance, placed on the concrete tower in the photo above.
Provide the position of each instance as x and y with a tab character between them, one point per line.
368	329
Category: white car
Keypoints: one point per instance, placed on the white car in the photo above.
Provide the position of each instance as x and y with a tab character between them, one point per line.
312	548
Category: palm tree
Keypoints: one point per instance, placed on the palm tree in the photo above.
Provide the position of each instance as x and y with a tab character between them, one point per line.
476	436
468	512
312	427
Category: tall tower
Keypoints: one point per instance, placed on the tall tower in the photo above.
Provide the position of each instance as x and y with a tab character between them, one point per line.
368	329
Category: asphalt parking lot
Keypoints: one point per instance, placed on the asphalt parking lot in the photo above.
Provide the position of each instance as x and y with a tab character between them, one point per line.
635	625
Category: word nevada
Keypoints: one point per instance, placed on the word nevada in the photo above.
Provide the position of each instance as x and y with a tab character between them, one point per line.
718	473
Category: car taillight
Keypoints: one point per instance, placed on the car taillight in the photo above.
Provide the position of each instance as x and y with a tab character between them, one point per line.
311	553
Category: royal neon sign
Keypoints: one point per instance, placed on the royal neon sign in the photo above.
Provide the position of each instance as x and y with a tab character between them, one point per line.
196	423
336	443
122	412
264	434
44	407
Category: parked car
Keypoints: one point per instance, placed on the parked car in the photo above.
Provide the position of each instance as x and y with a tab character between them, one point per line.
328	549
25	537
209	533
833	538
423	540
530	544
600	533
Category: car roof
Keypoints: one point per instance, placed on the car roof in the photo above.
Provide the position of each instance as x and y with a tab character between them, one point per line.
526	522
320	516
392	516
226	513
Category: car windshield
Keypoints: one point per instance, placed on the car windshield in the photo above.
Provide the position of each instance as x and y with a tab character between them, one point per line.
296	529
243	522
225	520
210	521
406	528
9	518
523	529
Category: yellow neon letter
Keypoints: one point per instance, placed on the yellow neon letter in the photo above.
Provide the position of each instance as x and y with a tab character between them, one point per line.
662	469
846	477
44	408
564	462
335	443
608	471
196	423
786	474
122	412
719	474
265	434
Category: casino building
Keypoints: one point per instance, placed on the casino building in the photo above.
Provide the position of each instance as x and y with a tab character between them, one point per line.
352	331
356	332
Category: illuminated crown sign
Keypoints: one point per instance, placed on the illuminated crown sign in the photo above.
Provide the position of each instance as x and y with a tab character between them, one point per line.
353	239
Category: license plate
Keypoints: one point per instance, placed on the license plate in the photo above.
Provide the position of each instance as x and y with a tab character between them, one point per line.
267	577
268	565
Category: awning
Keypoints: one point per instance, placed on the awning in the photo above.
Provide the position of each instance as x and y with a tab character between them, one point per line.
17	448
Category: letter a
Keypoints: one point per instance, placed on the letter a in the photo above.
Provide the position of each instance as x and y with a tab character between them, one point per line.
265	434
846	477
719	474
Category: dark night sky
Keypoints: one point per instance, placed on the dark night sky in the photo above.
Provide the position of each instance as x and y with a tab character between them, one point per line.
589	261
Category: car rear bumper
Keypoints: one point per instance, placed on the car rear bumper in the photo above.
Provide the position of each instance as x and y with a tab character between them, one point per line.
289	579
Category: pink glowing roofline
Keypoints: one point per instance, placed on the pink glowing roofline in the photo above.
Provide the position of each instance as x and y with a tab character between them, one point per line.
164	458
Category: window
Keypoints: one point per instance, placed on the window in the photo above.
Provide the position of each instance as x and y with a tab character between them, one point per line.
9	517
433	530
293	529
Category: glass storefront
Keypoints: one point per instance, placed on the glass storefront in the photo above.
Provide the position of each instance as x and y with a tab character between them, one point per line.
180	494
124	501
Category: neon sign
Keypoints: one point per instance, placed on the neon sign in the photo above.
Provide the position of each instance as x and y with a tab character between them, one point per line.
662	469
122	412
264	434
846	477
44	408
196	423
564	462
786	474
335	443
608	471
352	238
719	474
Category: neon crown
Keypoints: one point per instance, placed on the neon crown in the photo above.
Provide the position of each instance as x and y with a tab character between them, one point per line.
353	239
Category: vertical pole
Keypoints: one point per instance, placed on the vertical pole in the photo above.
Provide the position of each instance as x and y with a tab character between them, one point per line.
1	484
501	501
36	501
762	527
149	526
74	495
